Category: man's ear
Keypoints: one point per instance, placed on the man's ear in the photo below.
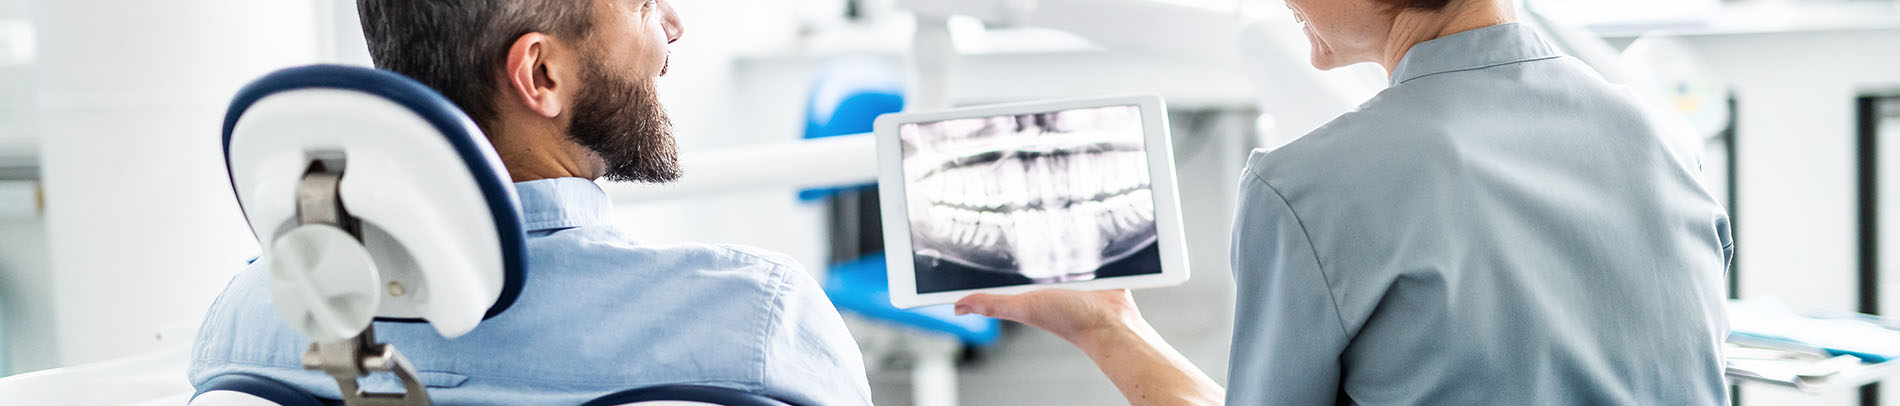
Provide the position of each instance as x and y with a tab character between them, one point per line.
531	76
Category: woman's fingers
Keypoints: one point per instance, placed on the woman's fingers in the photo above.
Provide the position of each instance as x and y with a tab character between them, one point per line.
1066	313
1050	310
985	304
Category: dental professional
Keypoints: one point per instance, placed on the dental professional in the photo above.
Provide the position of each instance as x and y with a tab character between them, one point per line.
565	91
1500	226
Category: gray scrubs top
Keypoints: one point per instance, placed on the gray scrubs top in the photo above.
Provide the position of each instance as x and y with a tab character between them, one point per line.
1500	226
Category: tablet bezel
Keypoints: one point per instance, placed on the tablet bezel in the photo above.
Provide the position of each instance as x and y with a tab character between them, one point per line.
1159	149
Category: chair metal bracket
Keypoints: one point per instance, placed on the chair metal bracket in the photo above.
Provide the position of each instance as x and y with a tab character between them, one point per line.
319	203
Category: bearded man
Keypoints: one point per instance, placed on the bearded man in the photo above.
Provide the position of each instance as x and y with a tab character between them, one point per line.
564	89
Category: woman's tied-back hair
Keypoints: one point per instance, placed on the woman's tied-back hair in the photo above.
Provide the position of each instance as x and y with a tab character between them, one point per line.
1422	5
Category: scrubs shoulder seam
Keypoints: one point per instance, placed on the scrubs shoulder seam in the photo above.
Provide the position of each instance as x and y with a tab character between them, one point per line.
1512	62
1728	260
1317	265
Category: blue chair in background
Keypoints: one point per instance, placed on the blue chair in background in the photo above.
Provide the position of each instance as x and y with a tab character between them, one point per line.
846	99
862	287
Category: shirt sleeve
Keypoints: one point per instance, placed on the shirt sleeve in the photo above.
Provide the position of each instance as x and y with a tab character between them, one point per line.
810	357
1288	336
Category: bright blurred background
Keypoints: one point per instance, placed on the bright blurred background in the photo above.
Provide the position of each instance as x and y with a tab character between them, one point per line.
118	227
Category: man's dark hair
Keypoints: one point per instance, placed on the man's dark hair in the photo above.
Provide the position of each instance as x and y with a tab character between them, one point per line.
1422	5
458	47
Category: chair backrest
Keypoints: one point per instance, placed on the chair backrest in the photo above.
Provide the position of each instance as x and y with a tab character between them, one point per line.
424	193
250	390
684	395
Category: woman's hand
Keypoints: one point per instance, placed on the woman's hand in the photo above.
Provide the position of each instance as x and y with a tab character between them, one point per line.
1072	315
1107	326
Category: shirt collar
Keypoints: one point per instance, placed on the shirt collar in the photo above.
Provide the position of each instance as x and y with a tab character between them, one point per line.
1480	48
563	203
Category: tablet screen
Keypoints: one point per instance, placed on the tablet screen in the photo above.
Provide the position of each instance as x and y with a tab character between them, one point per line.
1038	198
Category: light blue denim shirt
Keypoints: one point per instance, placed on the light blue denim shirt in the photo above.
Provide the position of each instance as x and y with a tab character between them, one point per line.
1499	227
600	313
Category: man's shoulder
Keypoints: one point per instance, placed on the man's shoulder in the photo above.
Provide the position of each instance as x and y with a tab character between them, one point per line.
247	291
744	253
702	260
582	249
739	276
241	330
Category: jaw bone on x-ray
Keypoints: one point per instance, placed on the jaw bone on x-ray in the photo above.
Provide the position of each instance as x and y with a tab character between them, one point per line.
1049	197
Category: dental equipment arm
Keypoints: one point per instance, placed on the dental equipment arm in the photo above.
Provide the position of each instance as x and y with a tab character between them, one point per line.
1190	31
1300	97
830	161
1108	327
1271	49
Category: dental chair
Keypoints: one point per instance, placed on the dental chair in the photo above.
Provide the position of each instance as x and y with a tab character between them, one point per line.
376	200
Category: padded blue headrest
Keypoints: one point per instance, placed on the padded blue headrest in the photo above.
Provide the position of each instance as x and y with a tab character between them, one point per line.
846	98
848	95
460	131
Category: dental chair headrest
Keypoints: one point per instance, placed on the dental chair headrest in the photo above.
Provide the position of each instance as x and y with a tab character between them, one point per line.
436	220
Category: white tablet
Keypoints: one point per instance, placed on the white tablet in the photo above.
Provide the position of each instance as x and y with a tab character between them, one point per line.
1074	194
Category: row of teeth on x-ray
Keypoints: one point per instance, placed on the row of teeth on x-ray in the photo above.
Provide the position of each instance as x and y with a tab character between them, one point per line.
1119	215
1046	216
1015	183
952	131
1050	196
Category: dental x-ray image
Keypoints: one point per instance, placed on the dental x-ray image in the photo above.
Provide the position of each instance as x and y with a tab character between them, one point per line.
1034	198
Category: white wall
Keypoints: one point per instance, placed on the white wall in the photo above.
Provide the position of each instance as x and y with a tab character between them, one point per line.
17	52
1797	220
23	268
142	227
22	234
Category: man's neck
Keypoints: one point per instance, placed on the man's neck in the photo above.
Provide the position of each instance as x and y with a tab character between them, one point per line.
1412	27
543	152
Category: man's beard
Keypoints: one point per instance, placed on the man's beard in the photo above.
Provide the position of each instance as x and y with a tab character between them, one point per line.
622	121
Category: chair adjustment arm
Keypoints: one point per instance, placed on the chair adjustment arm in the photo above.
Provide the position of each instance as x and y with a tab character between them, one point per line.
319	203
